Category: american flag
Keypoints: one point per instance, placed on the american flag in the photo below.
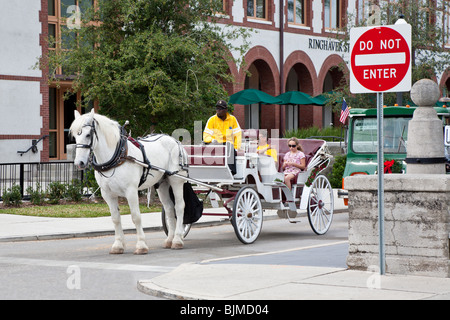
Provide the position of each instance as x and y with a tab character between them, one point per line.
345	111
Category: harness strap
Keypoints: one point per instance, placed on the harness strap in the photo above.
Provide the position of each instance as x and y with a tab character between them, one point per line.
119	157
146	171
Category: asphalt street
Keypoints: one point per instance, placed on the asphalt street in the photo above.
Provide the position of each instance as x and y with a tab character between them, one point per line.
82	268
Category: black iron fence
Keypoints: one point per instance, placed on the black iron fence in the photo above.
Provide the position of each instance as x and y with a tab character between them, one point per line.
35	174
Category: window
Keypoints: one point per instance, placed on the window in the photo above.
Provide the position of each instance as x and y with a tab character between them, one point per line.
365	139
368	13
224	6
61	17
223	9
297	11
332	16
61	116
61	109
257	9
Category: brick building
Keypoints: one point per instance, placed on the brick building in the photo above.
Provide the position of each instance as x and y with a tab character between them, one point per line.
300	53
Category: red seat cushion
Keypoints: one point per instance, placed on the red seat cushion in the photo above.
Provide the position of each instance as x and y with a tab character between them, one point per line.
211	155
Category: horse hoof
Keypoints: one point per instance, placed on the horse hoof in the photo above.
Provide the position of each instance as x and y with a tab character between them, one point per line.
116	251
177	245
141	251
167	244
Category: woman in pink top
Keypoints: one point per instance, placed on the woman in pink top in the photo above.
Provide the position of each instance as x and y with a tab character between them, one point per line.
294	161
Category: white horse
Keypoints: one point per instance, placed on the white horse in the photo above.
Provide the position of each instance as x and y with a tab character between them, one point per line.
118	175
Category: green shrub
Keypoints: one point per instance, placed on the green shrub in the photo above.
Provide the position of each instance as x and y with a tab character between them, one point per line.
55	192
338	171
303	133
12	196
37	196
74	191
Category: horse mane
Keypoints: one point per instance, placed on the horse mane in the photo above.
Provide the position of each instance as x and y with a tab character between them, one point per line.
109	128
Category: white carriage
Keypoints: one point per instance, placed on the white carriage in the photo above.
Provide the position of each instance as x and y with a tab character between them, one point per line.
259	185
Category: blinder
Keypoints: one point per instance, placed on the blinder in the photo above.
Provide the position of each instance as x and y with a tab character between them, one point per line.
92	133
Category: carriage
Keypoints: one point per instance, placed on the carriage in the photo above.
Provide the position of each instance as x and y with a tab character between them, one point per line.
258	184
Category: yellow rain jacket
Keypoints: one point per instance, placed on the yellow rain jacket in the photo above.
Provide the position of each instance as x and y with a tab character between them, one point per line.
222	131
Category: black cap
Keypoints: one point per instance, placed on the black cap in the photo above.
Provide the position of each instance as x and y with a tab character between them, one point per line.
221	104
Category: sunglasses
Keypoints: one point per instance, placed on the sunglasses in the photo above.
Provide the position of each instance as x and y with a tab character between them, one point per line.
292	146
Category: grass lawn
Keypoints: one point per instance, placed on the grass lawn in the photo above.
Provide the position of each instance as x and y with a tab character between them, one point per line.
72	210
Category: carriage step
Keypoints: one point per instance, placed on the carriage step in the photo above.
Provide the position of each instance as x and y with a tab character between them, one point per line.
273	184
294	221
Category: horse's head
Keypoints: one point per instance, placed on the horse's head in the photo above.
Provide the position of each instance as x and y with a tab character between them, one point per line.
85	134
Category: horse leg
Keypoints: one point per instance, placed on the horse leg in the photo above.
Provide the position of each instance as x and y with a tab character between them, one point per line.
119	243
133	203
164	196
177	187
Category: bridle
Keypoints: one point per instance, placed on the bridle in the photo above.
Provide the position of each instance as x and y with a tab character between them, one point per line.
120	154
92	132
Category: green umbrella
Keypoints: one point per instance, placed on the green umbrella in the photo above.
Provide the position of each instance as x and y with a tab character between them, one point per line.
251	96
321	98
297	97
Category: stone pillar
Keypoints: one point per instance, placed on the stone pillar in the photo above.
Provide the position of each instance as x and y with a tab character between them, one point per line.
417	204
425	149
417	224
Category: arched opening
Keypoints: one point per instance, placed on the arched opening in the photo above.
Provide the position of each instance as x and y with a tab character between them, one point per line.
260	77
333	79
299	79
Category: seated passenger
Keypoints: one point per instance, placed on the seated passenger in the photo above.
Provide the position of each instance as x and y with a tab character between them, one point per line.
264	148
294	161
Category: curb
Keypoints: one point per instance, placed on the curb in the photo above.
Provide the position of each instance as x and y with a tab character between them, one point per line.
110	232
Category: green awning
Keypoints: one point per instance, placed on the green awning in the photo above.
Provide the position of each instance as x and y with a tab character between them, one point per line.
251	96
297	97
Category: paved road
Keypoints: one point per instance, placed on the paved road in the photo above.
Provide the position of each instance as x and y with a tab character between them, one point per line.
81	268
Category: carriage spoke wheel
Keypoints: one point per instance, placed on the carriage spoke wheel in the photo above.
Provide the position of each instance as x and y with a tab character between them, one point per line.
247	215
187	227
320	205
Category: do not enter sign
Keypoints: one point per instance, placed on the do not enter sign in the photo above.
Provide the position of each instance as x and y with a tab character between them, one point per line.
380	59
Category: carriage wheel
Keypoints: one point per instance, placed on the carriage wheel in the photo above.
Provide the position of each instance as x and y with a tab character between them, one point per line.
320	205
247	215
187	227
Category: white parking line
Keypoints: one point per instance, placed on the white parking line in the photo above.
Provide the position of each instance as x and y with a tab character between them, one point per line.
83	264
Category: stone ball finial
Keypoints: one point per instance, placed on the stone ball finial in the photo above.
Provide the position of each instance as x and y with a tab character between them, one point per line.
425	92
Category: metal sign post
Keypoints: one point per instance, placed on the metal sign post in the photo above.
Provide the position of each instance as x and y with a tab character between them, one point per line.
380	61
380	156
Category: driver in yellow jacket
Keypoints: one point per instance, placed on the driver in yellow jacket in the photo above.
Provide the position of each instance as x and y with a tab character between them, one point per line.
223	127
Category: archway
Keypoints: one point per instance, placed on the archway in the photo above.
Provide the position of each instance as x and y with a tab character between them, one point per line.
331	76
300	75
261	74
299	116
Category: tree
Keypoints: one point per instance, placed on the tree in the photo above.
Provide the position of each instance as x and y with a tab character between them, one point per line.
160	64
429	55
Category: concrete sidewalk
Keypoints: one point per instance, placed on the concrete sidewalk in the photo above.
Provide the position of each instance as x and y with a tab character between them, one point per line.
29	228
277	282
